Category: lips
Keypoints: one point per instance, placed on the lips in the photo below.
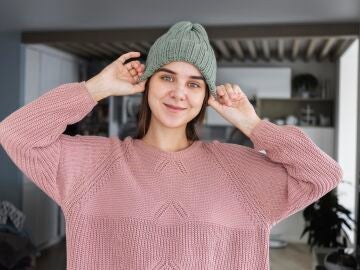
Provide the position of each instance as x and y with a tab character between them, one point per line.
174	107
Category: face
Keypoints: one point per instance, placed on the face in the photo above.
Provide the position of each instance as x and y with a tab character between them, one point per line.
178	84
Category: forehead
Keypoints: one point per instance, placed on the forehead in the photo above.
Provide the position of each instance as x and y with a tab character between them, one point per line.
183	68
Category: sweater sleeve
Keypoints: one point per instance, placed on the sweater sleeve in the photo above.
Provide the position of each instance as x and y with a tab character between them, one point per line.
32	137
292	174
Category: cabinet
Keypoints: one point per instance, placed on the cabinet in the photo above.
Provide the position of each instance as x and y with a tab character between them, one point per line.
275	108
44	68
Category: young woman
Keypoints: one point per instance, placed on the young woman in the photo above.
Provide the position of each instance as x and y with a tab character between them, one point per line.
165	199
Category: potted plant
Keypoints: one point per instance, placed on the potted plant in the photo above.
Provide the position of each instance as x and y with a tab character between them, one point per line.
324	222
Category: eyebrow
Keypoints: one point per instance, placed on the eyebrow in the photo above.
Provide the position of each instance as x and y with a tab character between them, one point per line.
173	72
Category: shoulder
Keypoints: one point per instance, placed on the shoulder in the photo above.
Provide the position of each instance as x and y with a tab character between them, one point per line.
89	140
234	152
230	147
92	145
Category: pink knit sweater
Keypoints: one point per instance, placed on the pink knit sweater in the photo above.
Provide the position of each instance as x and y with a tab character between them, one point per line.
129	205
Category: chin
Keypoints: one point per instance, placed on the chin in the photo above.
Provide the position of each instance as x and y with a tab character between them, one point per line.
172	123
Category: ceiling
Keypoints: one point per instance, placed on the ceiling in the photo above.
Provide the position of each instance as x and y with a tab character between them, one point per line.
306	42
238	29
17	15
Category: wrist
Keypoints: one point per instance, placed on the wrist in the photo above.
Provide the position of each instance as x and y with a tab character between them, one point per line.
247	128
95	89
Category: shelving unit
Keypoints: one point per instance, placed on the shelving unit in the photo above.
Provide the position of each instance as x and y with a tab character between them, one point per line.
274	108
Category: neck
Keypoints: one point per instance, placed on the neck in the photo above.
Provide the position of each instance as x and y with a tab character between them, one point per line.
167	139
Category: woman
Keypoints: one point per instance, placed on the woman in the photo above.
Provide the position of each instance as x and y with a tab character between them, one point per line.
166	200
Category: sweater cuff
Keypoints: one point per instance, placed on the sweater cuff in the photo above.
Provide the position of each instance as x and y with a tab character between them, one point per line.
265	135
90	98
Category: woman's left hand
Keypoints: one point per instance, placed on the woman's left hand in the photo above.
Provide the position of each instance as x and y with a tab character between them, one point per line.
235	107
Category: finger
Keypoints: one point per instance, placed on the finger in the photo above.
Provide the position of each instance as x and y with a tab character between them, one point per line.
213	103
136	77
127	56
139	67
133	64
230	90
237	89
239	92
220	91
227	98
139	87
133	72
221	94
134	67
142	67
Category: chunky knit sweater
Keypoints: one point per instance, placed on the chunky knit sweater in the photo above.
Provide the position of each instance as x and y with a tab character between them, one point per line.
129	205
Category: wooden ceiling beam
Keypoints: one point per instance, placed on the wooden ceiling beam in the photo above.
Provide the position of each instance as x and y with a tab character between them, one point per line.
311	48
98	48
280	49
136	47
327	47
266	49
146	45
342	46
214	32
237	48
221	46
111	48
295	49
251	47
69	48
121	46
85	49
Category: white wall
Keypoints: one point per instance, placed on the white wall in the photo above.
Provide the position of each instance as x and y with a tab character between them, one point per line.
346	156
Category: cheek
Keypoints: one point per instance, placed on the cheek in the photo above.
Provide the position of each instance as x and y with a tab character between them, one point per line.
152	103
197	100
154	96
159	94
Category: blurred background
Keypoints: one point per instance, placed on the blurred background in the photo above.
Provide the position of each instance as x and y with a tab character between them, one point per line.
297	61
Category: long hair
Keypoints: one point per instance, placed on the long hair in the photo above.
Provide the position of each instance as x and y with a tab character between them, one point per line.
144	116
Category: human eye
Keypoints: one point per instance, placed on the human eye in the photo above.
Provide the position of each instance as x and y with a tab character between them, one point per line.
196	85
165	77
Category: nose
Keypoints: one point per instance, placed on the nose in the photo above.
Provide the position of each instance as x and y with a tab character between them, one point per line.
179	92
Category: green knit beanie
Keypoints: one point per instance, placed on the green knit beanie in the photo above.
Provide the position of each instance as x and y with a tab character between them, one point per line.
184	41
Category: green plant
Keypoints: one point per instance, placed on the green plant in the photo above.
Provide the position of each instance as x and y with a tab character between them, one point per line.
324	222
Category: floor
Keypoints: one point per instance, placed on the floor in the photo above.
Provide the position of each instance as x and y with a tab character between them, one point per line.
293	256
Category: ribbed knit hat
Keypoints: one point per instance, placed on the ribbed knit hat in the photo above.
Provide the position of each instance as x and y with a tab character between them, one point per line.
184	41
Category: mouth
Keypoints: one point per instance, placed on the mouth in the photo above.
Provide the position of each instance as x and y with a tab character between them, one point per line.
174	108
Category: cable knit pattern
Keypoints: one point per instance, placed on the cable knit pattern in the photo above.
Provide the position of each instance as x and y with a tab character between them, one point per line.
129	205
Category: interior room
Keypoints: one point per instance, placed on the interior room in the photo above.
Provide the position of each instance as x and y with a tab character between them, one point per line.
297	62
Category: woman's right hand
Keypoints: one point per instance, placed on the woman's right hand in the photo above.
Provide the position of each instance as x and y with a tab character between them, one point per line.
118	79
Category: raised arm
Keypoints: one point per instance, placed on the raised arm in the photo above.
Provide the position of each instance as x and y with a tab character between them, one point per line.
32	135
292	174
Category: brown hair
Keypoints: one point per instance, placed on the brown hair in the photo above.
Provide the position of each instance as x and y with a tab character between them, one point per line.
144	116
